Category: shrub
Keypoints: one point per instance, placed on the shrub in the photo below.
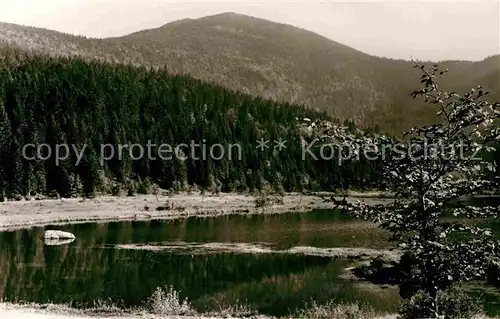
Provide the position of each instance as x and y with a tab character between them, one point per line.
194	188
115	189
453	303
238	311
379	271
333	310
261	200
131	187
54	194
145	186
166	301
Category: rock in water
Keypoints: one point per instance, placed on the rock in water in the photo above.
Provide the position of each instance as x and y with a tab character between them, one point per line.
57	242
57	234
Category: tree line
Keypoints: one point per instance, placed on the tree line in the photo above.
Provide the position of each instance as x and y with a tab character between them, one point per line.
70	101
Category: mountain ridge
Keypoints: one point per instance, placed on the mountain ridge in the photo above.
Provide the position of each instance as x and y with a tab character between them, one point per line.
272	60
228	14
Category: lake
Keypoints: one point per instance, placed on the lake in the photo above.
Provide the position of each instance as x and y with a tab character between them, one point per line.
211	261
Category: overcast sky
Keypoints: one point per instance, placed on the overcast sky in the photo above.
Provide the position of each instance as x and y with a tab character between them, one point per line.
428	30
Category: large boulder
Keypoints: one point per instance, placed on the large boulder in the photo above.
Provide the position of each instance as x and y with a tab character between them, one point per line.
57	234
57	242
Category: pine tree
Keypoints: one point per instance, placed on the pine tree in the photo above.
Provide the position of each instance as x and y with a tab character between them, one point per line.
4	147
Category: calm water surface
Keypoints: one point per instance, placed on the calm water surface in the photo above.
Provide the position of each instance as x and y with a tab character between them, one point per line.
92	268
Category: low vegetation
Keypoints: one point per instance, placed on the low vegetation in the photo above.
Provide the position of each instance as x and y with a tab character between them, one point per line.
334	310
166	301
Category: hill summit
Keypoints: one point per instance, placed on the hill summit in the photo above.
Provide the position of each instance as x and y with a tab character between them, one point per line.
271	60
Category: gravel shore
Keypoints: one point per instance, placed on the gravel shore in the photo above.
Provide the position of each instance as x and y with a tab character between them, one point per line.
26	214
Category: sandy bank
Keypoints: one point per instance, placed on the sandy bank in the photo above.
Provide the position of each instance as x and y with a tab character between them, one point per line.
13	311
25	214
250	248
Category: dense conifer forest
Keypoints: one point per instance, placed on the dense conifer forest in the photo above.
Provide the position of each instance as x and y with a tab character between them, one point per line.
75	102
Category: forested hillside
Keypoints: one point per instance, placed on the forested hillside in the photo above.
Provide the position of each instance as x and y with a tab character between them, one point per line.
76	102
273	61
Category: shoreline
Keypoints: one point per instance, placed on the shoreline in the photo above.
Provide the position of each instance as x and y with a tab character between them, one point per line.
51	311
18	215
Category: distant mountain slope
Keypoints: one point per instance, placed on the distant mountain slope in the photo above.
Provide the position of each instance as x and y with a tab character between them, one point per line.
274	61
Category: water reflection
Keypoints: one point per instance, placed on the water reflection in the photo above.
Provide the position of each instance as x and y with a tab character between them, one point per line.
90	269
